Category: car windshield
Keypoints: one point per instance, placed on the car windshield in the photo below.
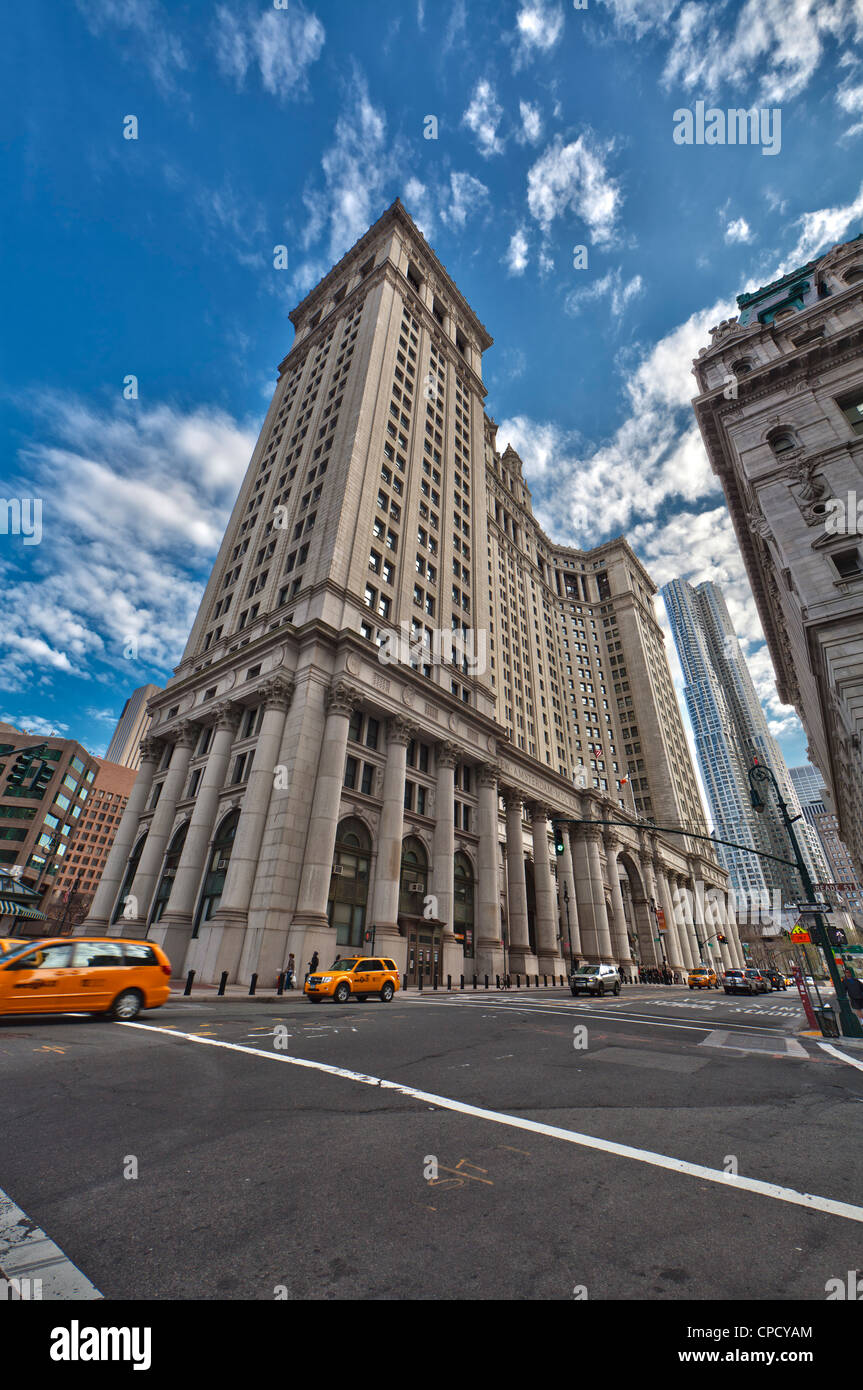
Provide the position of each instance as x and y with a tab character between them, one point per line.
754	973
343	964
14	951
589	970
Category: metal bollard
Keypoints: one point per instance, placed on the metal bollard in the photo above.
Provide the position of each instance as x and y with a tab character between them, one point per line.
435	980
474	981
486	981
462	981
497	981
518	982
280	989
527	982
544	982
254	985
536	977
190	980
420	982
222	983
449	983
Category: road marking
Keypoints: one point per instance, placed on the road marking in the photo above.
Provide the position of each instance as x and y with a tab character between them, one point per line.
589	1011
587	1141
27	1253
843	1056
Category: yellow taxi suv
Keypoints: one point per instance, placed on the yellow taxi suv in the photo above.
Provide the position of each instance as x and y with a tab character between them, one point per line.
357	977
84	975
702	978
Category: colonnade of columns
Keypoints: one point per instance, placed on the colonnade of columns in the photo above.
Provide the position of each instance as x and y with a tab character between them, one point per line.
582	915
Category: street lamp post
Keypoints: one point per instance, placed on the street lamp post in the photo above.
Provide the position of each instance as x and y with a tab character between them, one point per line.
568	932
761	775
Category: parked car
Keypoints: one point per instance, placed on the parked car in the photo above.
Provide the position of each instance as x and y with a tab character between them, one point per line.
702	977
356	977
736	982
595	979
775	979
761	985
90	975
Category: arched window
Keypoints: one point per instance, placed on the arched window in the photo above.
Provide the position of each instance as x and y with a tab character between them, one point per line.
782	441
169	873
742	366
129	879
349	882
462	914
414	877
853	275
214	881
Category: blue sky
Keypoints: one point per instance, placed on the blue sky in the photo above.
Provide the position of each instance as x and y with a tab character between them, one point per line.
265	125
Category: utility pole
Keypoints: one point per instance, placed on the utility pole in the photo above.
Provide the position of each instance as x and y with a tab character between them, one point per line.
761	776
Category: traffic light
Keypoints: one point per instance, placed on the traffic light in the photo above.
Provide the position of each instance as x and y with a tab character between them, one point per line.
722	938
558	838
43	776
837	936
19	770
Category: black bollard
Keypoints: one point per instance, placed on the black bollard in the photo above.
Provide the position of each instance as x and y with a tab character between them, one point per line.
435	980
462	981
518	982
449	983
527	982
190	980
474	981
536	977
222	983
486	981
254	985
281	984
544	982
420	982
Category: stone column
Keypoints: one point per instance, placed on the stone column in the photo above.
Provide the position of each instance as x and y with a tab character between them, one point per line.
672	943
174	931
232	912
733	935
150	863
684	954
114	872
688	907
487	939
568	901
547	949
443	855
314	892
717	928
600	948
619	933
520	959
385	900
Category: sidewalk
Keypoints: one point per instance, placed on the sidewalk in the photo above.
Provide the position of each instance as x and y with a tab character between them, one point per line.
263	994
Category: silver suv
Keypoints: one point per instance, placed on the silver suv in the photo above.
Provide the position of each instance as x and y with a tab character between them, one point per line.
595	979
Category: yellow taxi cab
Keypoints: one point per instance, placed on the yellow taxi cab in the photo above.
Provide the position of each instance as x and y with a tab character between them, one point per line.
355	977
702	977
93	975
8	943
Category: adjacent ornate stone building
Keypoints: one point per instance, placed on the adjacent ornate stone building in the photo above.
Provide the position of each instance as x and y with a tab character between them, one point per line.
780	408
396	682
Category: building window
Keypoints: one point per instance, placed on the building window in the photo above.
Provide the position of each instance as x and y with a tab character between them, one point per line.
214	881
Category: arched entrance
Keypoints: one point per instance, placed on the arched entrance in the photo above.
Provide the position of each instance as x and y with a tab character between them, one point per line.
530	888
129	879
424	933
463	923
217	869
349	882
169	873
641	926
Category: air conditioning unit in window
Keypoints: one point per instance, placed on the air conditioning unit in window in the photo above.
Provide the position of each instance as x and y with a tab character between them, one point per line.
416	888
337	870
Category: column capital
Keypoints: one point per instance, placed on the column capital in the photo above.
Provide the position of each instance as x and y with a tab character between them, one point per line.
512	799
591	832
401	731
278	692
151	748
488	774
342	698
184	734
226	715
447	754
612	844
537	810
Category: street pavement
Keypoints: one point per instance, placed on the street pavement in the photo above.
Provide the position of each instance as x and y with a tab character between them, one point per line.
503	1145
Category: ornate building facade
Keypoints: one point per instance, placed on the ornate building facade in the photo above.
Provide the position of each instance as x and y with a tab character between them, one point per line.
780	409
396	683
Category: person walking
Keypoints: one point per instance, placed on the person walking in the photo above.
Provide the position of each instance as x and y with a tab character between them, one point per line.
313	965
290	971
854	990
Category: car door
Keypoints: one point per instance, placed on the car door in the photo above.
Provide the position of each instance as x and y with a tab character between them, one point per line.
100	973
38	982
369	975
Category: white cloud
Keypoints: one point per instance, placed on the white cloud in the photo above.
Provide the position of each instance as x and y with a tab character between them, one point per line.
467	195
144	24
34	724
282	44
516	257
135	505
573	178
482	118
531	123
822	229
639	16
851	101
610	285
738	230
539	26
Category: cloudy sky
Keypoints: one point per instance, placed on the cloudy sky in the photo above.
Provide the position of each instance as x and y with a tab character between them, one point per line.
296	124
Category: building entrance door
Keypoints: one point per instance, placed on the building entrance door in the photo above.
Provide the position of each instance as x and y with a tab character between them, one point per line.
425	954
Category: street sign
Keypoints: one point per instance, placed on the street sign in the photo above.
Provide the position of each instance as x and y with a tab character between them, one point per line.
851	951
809	908
660	919
799	933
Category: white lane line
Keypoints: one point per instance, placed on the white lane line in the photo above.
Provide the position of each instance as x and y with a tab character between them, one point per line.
843	1056
569	1136
27	1253
585	1011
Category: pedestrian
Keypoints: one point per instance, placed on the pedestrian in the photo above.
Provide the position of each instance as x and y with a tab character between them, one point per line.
290	971
313	965
854	990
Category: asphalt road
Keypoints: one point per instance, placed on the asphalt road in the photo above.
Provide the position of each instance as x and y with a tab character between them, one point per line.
259	1177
